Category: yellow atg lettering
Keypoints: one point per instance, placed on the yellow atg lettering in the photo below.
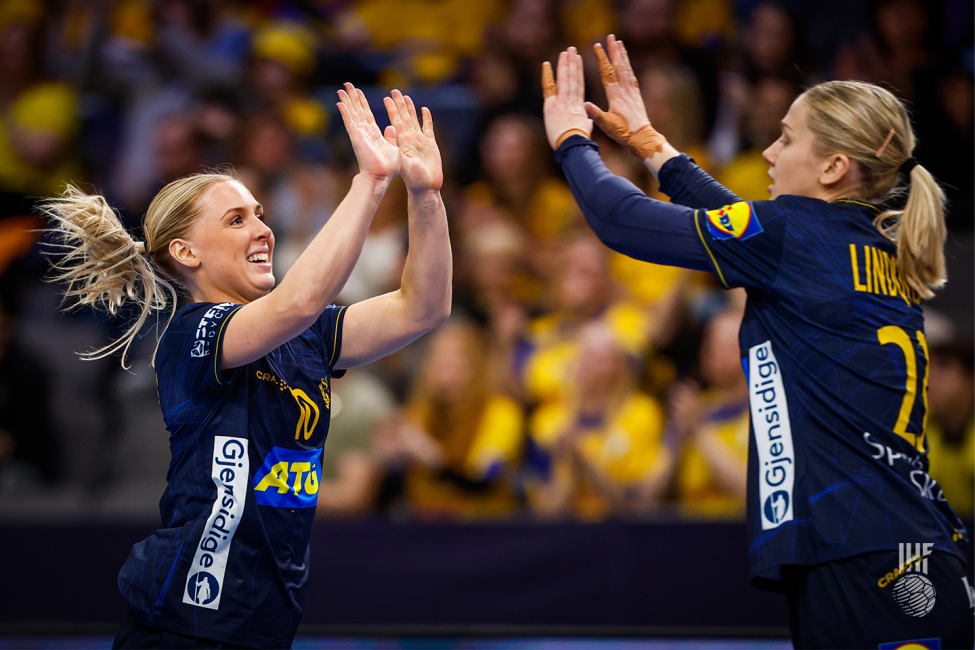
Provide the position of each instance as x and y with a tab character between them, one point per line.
857	286
311	483
299	469
879	271
276	478
308	419
323	389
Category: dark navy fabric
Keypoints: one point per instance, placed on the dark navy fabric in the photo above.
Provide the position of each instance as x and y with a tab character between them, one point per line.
230	562
833	344
616	210
687	184
869	601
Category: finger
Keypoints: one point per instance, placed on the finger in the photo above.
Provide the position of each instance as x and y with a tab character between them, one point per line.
411	107
606	70
562	78
548	81
364	104
570	72
593	111
404	114
346	117
428	121
575	74
349	107
628	73
353	97
394	119
390	134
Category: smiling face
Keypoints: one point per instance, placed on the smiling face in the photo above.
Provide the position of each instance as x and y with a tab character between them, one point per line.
795	165
226	256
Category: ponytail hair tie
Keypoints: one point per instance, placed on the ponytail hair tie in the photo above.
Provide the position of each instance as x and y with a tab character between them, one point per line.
908	166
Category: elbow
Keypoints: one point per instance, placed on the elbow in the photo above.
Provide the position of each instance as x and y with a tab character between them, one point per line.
438	317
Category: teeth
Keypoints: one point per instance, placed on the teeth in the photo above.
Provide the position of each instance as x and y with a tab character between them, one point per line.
257	257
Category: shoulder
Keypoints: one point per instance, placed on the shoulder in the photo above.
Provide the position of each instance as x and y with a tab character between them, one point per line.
197	326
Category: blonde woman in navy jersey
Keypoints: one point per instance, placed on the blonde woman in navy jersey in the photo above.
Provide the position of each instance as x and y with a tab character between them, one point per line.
843	516
244	372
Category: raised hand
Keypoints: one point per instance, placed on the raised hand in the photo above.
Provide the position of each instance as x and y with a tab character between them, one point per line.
376	152
626	122
420	162
564	106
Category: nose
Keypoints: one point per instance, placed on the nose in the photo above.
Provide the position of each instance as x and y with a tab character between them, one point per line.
770	153
263	231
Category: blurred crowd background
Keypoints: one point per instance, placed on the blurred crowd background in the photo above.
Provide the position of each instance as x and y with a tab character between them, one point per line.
570	382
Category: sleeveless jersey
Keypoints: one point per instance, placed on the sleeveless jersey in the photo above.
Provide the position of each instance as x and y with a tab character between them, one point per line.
230	562
833	345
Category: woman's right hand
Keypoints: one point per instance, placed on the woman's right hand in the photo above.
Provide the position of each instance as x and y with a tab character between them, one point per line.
421	164
376	152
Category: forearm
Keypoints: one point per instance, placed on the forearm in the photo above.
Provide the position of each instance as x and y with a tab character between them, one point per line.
427	280
624	218
319	274
687	184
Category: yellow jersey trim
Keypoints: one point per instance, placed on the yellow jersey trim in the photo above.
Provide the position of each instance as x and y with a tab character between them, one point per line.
697	222
339	323
866	205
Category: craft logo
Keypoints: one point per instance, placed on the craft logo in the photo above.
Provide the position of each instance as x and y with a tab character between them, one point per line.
229	472
913	590
915	644
773	436
207	329
737	220
289	478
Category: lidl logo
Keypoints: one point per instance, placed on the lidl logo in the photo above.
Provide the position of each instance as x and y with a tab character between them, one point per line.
737	220
917	644
289	478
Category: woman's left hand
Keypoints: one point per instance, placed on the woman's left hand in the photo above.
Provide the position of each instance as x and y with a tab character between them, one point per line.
564	106
420	162
375	152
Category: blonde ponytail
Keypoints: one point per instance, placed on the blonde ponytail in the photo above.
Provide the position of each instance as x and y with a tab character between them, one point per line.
102	265
919	232
869	125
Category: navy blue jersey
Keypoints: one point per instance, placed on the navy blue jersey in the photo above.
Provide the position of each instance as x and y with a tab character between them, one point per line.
230	562
833	345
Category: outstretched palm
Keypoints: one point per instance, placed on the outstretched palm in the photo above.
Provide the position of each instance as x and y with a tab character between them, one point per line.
420	161
376	153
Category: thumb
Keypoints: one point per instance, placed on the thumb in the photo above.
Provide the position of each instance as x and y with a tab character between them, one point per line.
390	134
594	112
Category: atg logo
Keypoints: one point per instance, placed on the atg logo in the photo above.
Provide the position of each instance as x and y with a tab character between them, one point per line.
202	588
289	478
737	221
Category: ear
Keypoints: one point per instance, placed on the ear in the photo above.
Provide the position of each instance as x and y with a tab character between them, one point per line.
838	168
181	251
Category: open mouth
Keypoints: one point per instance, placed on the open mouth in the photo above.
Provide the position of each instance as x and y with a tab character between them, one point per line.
259	258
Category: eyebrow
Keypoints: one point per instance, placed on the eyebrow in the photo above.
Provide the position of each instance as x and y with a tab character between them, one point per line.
257	207
785	126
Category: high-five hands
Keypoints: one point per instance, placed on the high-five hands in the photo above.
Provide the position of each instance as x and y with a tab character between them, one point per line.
420	161
626	122
376	152
564	107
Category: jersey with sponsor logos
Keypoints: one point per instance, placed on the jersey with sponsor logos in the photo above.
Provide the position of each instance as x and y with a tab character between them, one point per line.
833	345
230	562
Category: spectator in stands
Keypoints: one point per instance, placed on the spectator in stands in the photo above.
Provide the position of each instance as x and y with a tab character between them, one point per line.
40	116
951	421
599	450
583	292
457	441
709	430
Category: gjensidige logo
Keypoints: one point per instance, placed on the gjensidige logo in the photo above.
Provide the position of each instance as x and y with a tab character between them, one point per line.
202	588
913	590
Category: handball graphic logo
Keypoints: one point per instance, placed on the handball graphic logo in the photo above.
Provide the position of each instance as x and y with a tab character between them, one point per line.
915	594
202	588
776	505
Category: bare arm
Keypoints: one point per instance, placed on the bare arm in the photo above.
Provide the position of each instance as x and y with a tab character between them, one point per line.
378	326
322	270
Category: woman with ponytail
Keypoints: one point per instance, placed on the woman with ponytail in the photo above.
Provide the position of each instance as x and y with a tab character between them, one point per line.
244	372
843	516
